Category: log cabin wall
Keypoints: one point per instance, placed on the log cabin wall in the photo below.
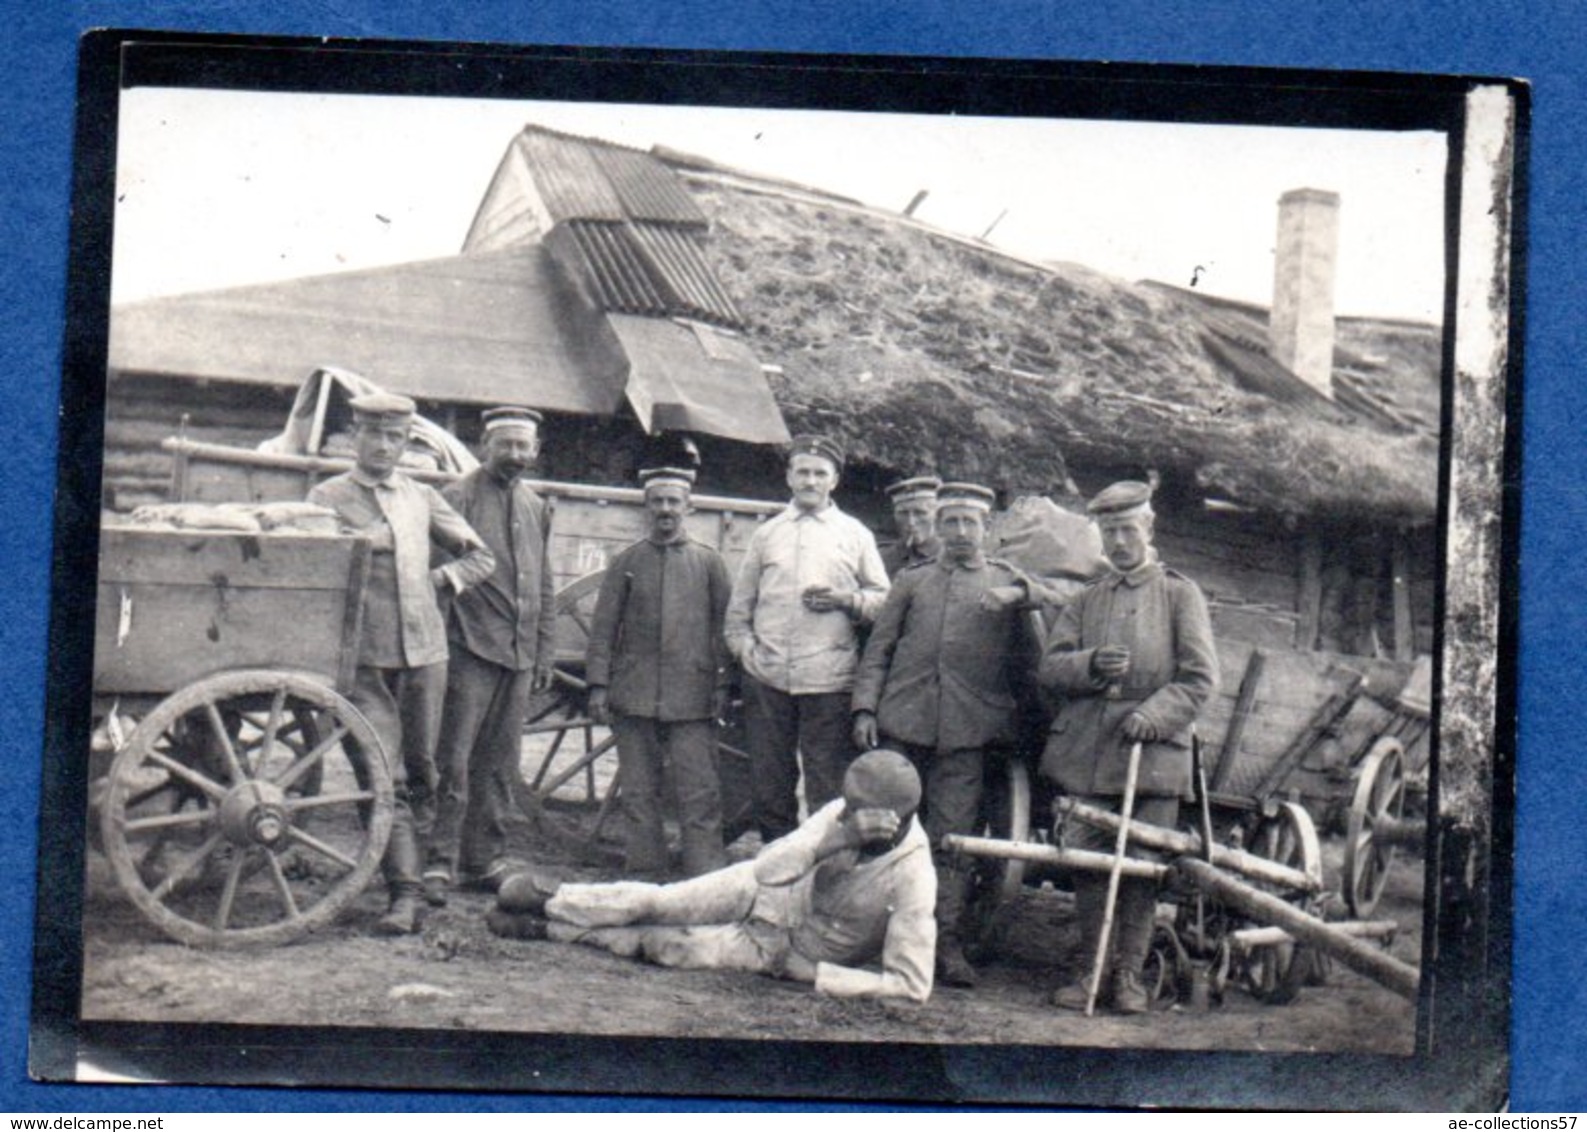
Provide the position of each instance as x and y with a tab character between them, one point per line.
1247	565
1319	585
141	410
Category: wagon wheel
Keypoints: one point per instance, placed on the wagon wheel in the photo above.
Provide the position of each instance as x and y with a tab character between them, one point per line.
569	782
1275	973
194	743
1379	798
998	882
247	808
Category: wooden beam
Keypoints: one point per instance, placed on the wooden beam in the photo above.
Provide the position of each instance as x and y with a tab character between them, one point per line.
1404	622
1087	860
1242	861
1228	757
1361	957
1308	601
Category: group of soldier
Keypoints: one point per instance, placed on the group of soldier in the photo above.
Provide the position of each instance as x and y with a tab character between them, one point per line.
883	685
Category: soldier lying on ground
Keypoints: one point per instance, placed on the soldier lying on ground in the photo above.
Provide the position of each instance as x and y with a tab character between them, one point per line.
852	885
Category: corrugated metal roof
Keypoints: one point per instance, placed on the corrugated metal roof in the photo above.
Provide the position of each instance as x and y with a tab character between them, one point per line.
588	179
646	187
480	329
631	229
680	260
649	269
620	278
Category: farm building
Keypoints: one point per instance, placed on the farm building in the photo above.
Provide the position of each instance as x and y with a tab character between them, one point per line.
628	293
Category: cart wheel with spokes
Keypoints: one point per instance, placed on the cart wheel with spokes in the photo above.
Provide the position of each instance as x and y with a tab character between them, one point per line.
1379	802
570	773
247	808
1275	973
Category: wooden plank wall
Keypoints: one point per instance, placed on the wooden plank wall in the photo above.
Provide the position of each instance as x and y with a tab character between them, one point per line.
142	410
1248	567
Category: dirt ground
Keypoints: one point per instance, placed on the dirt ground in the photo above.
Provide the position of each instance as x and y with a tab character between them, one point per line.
456	975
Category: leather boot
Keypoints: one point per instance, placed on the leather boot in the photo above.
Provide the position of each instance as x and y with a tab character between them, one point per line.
401	866
526	891
515	925
1090	898
1129	996
953	968
437	887
1132	926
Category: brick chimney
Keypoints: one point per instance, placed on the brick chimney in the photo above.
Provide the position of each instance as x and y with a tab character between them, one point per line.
1300	329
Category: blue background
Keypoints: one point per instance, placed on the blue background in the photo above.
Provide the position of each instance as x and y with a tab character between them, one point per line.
1545	43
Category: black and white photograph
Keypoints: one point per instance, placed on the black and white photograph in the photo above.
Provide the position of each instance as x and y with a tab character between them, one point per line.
791	575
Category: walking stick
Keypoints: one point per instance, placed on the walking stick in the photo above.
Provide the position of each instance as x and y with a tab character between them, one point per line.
1125	811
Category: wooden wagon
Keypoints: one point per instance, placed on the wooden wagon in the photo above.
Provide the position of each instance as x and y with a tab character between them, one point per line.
1290	743
240	797
569	779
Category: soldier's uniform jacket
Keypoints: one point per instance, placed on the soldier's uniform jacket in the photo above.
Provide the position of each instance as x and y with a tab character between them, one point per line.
940	671
899	557
1161	617
656	641
509	619
402	624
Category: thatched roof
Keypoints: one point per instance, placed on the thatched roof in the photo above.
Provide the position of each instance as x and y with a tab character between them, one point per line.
921	349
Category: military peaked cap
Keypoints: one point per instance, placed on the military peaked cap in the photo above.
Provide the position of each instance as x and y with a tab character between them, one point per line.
1127	497
966	495
809	444
916	487
511	416
373	405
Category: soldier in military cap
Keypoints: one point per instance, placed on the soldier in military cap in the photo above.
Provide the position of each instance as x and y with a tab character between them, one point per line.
503	638
657	669
400	679
948	663
914	503
810	578
1132	655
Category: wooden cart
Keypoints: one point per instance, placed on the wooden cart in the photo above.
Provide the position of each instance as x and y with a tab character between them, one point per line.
1290	743
245	800
569	782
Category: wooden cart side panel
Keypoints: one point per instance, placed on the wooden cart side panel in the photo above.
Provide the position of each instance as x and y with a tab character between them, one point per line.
213	558
588	534
174	607
1294	686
